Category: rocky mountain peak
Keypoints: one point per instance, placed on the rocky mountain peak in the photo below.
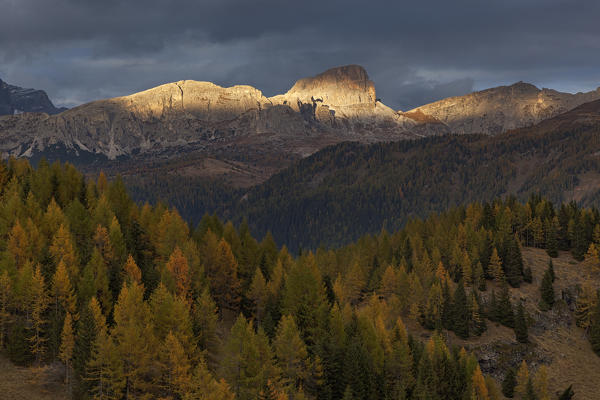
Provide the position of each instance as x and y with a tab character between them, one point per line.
16	100
341	86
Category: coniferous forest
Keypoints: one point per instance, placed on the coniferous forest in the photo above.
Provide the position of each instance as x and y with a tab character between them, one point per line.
135	303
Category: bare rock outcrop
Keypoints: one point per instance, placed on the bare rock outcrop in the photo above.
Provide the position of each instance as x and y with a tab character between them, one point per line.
337	105
500	109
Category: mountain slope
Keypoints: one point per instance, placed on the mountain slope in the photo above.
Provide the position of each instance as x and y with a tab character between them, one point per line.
200	116
344	191
16	100
502	108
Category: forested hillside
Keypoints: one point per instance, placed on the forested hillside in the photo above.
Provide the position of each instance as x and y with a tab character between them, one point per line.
136	304
342	192
345	191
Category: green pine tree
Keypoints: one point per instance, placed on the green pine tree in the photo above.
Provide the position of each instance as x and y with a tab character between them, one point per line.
551	269
552	237
594	334
521	325
461	314
504	309
547	291
509	383
567	394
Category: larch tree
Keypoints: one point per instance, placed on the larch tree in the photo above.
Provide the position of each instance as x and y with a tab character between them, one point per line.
203	386
586	303
39	302
63	302
480	390
105	372
259	295
592	259
62	249
18	244
170	314
522	378
67	343
495	267
594	328
399	378
62	291
5	303
178	280
205	319
133	321
540	382
224	280
132	271
291	353
176	367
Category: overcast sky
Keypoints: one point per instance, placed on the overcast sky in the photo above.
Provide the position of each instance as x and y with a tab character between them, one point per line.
415	52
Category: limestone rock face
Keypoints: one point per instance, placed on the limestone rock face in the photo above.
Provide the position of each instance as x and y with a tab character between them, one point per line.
503	108
336	105
345	97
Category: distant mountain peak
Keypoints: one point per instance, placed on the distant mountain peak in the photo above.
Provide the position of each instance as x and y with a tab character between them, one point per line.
499	109
16	100
345	85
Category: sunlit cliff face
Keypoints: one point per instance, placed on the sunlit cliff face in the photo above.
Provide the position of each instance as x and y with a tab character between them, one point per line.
337	105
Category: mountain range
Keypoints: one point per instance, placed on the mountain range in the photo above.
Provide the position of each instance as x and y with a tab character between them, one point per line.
284	161
239	124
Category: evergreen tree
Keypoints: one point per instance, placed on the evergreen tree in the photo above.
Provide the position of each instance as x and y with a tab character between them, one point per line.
176	367
521	325
82	350
509	383
480	390
527	275
223	274
504	309
495	267
592	259
567	394
258	295
551	269
242	364
480	274
67	343
39	304
203	386
594	333
461	312
132	321
5	300
547	291
530	391
205	319
552	237
586	303
513	264
399	378
291	354
540	383
178	279
522	378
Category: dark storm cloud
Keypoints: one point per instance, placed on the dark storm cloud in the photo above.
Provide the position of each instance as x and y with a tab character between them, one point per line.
416	52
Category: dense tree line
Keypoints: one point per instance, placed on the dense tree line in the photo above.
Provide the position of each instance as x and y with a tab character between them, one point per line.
134	303
345	191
